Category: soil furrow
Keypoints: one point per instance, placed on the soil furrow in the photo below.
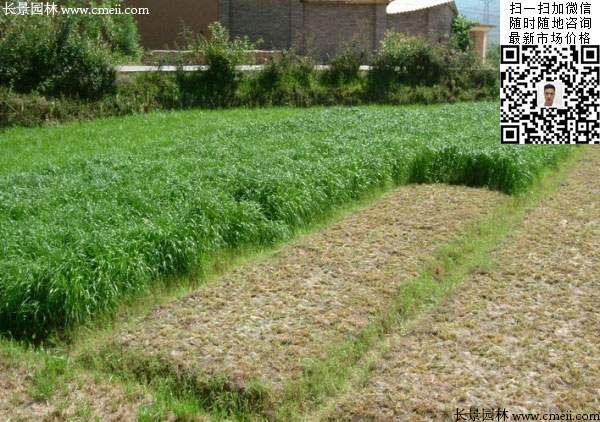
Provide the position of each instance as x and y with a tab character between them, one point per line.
523	336
265	320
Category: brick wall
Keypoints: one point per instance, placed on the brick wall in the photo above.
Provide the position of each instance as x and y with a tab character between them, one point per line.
440	21
160	28
268	20
328	27
435	22
381	24
324	29
319	27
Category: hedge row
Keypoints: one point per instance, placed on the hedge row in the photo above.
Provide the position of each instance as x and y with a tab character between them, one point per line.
405	70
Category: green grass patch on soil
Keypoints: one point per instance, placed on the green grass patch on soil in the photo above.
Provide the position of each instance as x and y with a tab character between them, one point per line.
47	384
151	196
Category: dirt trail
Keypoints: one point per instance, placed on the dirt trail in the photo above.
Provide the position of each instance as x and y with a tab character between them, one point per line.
265	319
524	336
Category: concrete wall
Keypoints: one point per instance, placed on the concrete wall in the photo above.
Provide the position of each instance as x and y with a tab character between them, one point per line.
479	39
409	23
440	22
161	27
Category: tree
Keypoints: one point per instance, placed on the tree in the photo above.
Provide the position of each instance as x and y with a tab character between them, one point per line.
460	38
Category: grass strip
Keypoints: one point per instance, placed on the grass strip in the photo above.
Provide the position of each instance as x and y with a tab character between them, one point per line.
49	384
84	233
518	333
175	394
183	394
323	380
167	346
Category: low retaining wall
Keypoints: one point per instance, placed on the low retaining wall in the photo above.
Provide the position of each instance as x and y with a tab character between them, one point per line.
172	56
193	68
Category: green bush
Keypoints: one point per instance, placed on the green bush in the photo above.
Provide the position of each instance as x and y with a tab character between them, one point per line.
81	68
217	86
264	88
160	87
27	51
493	56
403	95
119	33
65	54
287	79
466	72
458	65
52	56
460	38
402	59
23	110
135	94
34	109
345	68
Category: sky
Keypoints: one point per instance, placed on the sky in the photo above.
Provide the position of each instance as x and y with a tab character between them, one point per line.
475	9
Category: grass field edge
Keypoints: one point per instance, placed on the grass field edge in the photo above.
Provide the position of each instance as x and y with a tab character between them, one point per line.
188	395
325	380
257	401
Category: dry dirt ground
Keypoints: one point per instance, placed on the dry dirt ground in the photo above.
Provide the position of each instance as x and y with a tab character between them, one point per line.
524	336
81	397
265	319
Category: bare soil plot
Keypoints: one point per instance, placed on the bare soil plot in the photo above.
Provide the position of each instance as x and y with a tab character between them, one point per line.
524	336
27	393
265	319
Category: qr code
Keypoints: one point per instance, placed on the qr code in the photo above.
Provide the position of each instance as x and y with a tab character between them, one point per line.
550	94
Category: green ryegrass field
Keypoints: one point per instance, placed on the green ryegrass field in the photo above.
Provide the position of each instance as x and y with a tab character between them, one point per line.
93	213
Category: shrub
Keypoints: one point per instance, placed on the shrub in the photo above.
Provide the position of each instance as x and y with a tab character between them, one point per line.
402	95
34	109
406	60
161	87
287	79
460	38
265	87
458	65
345	67
27	51
65	54
22	110
135	94
465	71
81	68
119	33
493	56
215	87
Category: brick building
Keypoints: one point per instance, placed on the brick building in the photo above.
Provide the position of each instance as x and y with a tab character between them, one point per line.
323	27
161	27
319	27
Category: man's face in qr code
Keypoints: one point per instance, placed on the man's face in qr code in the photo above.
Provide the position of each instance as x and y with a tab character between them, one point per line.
549	93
